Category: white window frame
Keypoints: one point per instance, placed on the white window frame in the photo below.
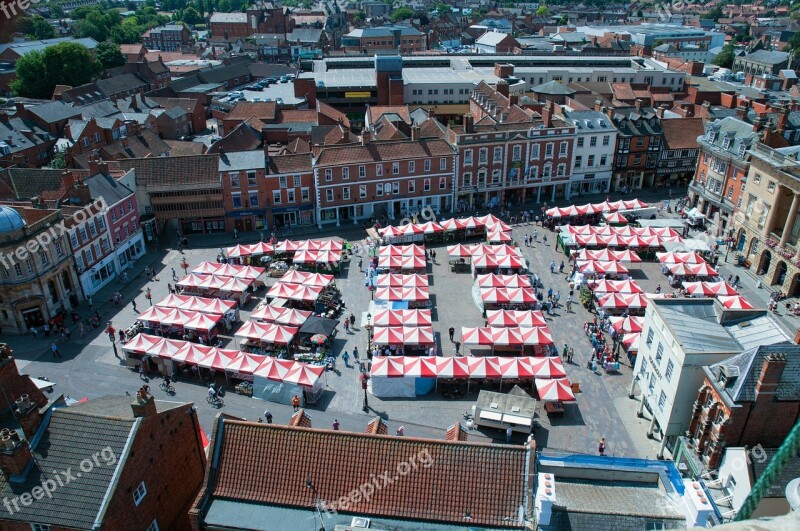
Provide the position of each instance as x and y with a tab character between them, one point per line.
329	195
276	197
139	494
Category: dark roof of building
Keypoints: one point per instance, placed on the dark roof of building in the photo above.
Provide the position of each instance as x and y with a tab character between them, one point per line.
13	134
71	436
748	367
168	172
767	57
221	73
271	464
242	138
54	111
120	84
241	160
307	35
263	110
791	470
105	186
179	148
29	183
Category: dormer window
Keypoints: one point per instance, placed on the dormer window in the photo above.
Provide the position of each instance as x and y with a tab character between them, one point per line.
726	143
742	150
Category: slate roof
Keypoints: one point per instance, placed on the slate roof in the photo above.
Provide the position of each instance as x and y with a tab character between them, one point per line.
750	364
383	31
594	121
778	487
179	148
11	134
54	111
120	84
682	133
729	127
228	18
105	186
218	74
69	438
29	183
553	88
242	138
491	38
306	35
270	464
167	172
383	151
766	57
241	160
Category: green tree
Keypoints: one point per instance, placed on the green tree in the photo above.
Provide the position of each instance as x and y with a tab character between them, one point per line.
35	27
224	6
109	55
360	15
725	57
59	161
542	11
443	8
191	16
714	13
793	43
201	9
66	63
403	13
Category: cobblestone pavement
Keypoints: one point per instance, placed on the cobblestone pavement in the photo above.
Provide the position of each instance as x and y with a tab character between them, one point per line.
90	368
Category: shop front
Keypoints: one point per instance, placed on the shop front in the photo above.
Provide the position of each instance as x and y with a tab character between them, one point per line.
247	220
202	225
293	216
97	276
131	250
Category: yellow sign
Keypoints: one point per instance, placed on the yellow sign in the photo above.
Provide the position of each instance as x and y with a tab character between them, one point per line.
357	94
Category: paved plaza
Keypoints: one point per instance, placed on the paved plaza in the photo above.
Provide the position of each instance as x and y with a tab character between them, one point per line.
89	367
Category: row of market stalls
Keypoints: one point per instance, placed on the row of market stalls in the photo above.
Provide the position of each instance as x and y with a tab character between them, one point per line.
482	259
452	229
222	281
399	376
273	379
647	239
595	210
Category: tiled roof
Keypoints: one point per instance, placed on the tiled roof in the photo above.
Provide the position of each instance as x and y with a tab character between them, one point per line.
242	138
298	145
70	438
155	172
328	111
29	183
270	464
790	471
293	116
376	111
682	133
749	365
337	135
263	110
296	163
432	128
767	57
383	151
179	148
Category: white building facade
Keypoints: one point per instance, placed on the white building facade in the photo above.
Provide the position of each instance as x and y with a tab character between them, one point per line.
593	155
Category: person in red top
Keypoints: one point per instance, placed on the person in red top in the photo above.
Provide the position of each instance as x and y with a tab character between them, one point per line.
296	402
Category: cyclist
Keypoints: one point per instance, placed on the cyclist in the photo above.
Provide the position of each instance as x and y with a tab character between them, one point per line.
212	394
166	383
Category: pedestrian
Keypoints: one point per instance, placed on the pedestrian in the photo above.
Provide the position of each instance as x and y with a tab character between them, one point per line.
561	267
268	416
34	332
346	359
536	235
570	353
658	288
509	433
602	446
557	297
46	329
452	332
565	352
549	293
141	372
296	402
360	264
347	325
434	254
553	266
352	320
174	275
544	239
458	345
81	329
355	353
133	303
54	348
235	234
335	424
400	431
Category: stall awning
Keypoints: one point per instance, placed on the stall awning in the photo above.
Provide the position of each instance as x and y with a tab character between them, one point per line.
516	419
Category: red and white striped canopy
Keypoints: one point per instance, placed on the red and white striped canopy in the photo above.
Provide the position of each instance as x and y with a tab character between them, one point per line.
402	294
502	281
403	335
402	250
392	280
555	390
680	258
735	302
402	318
285	316
614	268
709	289
615	286
521	318
410	263
293	276
627	324
608	255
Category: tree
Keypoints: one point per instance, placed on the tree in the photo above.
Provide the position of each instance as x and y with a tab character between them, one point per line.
714	13
403	13
109	55
35	27
443	8
725	57
191	16
542	11
59	161
360	15
201	10
66	63
224	6
793	43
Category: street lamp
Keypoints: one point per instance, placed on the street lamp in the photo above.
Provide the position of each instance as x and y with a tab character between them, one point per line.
364	380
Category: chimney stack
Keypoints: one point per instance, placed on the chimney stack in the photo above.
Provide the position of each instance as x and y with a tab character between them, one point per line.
431	112
377	426
15	453
770	377
783	120
365	137
638	105
469	123
741	112
415	132
144	405
547	114
28	416
502	87
598	104
300	420
513	99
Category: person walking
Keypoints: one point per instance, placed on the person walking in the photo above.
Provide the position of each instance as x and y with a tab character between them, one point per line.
335	424
360	264
346	359
565	351
174	275
355	353
458	345
557	297
296	402
268	416
352	320
452	332
561	267
34	332
570	353
509	434
347	325
400	431
569	304
133	303
141	372
601	447
536	235
54	348
553	267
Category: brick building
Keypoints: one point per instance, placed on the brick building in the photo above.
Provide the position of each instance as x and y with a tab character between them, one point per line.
167	38
747	400
119	449
508	153
722	167
357	182
263	18
290	190
639	144
402	39
24	143
678	158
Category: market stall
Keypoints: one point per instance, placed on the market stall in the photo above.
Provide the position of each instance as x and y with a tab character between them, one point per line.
269	339
285	316
417	297
401	318
281	380
502	281
402	340
515	318
709	289
534	341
